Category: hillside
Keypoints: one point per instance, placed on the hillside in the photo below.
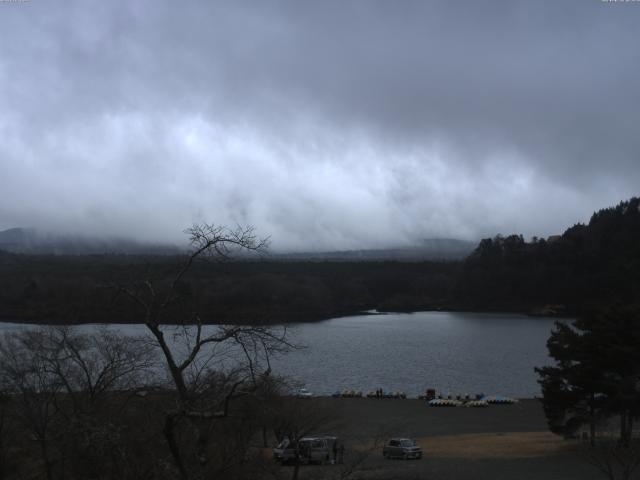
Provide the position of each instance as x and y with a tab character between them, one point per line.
443	249
597	263
588	264
34	241
38	242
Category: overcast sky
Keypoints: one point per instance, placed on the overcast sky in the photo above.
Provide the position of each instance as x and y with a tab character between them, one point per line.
326	125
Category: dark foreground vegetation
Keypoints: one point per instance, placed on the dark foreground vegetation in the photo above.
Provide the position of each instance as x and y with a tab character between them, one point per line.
99	406
79	289
185	402
74	406
589	265
180	402
593	390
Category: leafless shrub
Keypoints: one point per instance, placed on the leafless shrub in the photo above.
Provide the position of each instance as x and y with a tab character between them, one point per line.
614	460
210	366
60	384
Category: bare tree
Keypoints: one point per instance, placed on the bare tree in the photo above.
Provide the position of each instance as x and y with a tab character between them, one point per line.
70	390
63	384
5	433
29	381
194	353
613	456
613	459
88	367
295	418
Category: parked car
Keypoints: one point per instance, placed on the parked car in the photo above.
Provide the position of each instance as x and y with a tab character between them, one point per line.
304	393
318	449
402	448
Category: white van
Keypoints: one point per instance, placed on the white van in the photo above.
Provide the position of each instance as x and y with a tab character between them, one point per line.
318	449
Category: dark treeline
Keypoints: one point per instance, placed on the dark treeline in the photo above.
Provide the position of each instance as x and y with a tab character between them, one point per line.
593	264
195	403
99	406
586	267
62	289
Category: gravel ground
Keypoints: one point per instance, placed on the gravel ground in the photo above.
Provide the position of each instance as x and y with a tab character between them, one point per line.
498	442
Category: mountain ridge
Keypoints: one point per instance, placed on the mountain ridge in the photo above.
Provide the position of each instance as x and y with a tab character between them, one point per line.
34	241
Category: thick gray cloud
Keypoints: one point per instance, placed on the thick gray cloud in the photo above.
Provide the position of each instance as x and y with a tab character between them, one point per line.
324	124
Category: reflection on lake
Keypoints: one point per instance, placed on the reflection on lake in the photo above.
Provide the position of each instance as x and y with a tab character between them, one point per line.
452	352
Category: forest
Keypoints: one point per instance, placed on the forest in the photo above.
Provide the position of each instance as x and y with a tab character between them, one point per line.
588	265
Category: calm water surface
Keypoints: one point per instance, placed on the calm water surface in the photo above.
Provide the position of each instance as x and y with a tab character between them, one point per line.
452	352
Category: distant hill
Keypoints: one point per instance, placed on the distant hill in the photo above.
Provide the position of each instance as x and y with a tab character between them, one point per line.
597	263
33	241
429	249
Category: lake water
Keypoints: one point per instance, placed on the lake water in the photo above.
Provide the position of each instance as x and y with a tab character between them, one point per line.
451	352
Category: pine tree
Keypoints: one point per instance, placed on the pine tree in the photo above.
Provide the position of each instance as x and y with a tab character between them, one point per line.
597	372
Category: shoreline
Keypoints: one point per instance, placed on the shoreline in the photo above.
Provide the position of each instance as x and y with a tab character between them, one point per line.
289	319
501	442
419	419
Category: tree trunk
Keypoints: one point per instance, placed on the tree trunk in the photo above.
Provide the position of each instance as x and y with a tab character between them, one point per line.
592	422
623	428
176	374
168	430
45	457
296	470
296	467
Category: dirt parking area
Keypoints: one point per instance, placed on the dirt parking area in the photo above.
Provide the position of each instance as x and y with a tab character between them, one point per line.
498	442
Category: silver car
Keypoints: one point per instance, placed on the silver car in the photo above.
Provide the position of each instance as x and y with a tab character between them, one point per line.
402	448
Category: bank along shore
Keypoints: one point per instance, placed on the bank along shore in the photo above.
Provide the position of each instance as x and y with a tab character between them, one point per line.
278	317
415	418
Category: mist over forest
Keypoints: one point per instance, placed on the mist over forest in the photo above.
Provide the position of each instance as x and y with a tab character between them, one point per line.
251	240
328	127
588	265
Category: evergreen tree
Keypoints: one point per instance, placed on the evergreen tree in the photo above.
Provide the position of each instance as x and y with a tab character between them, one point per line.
597	372
573	389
